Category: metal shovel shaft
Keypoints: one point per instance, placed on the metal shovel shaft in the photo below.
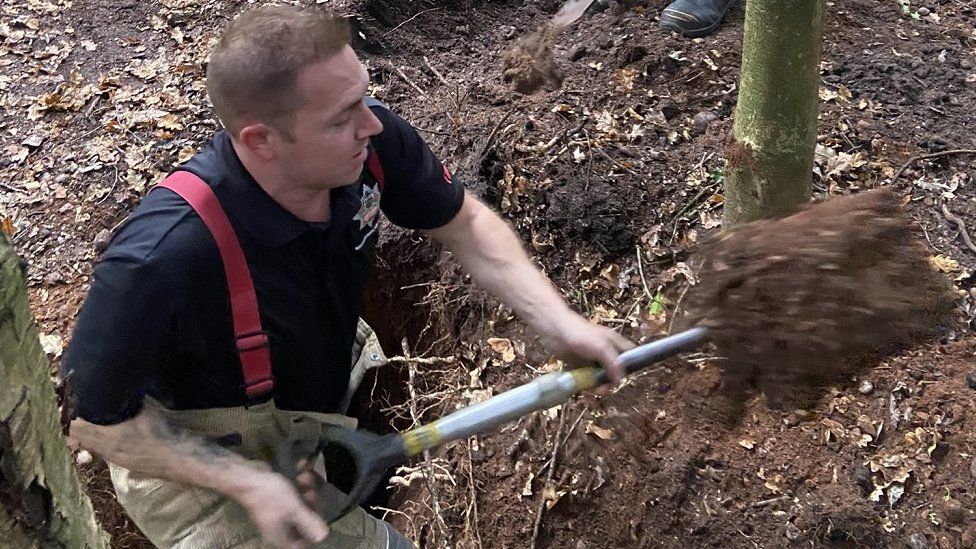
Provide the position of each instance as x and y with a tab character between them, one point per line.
544	392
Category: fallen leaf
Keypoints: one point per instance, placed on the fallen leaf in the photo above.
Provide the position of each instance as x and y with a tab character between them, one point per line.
657	305
611	274
625	78
944	263
503	347
895	492
527	489
552	365
170	122
33	141
605	434
177	34
7	226
52	344
747	443
578	155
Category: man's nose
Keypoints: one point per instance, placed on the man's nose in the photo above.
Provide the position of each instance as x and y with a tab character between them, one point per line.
369	126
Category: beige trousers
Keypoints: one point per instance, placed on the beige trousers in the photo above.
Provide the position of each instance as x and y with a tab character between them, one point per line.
179	516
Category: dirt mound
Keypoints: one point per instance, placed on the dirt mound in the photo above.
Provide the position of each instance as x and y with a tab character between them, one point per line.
810	299
531	65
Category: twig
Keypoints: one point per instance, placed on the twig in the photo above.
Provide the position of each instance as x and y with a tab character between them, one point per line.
615	163
474	496
543	147
435	132
916	158
489	142
961	225
677	307
565	440
417	360
765	502
436	72
118	225
416	15
549	475
640	270
13	189
428	475
707	359
408	81
693	202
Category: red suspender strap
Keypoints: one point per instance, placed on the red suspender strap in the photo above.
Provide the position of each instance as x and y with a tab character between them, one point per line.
375	168
252	342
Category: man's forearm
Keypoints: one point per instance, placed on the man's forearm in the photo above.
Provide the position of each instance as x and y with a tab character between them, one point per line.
148	445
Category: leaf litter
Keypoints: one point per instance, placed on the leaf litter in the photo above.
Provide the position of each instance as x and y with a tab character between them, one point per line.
141	105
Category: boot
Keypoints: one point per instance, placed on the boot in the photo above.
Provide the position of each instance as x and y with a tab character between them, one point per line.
694	18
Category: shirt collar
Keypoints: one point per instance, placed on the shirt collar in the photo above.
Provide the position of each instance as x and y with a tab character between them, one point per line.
263	218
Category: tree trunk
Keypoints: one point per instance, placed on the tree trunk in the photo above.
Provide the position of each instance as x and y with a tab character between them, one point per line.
770	161
42	503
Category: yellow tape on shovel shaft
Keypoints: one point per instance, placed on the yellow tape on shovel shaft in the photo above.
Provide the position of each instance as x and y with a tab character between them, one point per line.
420	439
585	378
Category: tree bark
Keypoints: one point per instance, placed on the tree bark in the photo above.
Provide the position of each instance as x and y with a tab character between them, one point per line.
42	502
770	159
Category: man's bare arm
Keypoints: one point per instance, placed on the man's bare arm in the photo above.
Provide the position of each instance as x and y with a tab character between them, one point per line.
488	248
148	445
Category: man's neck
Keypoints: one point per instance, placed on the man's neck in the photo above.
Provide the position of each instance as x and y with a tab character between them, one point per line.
305	203
312	205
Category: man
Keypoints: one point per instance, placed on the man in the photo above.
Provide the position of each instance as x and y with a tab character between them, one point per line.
694	18
162	372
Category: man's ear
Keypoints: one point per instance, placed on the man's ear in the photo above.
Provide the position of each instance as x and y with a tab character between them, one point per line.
260	139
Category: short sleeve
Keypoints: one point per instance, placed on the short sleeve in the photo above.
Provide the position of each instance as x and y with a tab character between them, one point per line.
120	329
418	192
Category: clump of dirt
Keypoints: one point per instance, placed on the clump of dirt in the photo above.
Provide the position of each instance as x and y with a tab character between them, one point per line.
815	297
531	65
843	522
599	216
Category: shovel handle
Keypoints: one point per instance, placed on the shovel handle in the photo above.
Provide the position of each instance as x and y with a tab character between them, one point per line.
541	393
645	355
371	455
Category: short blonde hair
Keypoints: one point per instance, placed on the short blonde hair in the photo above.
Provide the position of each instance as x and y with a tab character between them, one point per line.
253	70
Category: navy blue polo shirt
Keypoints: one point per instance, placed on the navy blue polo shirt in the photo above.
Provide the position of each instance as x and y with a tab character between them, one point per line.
157	319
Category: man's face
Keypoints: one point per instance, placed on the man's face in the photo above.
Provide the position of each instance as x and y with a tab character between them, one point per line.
330	132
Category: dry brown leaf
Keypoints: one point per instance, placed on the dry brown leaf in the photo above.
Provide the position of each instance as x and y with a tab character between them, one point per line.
605	434
503	347
625	78
944	263
170	122
7	226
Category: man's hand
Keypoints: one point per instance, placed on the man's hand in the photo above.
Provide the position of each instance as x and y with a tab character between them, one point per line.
147	444
278	512
579	342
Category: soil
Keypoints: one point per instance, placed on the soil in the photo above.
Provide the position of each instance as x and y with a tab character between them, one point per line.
613	179
530	64
801	303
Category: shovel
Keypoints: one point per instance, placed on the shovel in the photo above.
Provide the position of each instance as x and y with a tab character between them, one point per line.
361	458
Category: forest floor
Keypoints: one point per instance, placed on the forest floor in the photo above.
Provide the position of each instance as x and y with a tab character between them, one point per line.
612	173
